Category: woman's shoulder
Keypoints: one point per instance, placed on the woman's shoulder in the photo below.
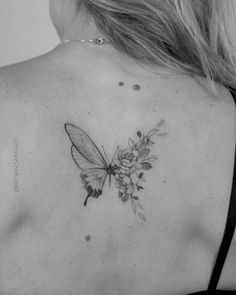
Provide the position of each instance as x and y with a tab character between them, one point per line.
44	74
213	108
41	72
23	74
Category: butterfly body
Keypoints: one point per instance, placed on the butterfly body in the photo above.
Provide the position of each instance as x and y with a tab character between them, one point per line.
111	170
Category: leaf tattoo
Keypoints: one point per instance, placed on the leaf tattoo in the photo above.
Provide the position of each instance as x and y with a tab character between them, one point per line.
127	166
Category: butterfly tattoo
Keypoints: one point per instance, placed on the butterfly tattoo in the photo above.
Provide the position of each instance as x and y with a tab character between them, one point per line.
127	166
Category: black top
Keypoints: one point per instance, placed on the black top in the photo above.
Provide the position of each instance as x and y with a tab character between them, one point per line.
225	244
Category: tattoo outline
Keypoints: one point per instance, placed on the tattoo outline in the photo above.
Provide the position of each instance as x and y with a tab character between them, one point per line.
15	165
127	166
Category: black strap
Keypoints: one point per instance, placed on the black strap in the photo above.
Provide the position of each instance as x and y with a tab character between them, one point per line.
227	237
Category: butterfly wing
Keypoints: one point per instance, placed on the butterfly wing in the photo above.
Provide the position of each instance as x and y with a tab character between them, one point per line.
93	177
85	146
89	159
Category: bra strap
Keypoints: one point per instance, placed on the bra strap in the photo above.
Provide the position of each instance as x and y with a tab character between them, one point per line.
227	238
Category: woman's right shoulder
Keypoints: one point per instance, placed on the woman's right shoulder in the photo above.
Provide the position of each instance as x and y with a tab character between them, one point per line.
196	93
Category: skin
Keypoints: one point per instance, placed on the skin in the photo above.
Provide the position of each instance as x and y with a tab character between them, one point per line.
51	243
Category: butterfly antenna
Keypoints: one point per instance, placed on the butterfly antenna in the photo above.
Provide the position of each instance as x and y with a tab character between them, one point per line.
115	154
105	154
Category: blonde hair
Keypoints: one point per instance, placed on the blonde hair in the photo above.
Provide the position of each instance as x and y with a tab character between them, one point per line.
191	36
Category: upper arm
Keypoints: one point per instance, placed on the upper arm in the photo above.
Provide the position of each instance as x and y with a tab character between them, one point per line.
9	151
218	158
228	275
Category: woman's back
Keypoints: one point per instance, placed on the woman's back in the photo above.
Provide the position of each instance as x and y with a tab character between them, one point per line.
51	243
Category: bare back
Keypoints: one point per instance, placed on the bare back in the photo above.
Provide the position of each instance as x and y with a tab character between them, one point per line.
163	237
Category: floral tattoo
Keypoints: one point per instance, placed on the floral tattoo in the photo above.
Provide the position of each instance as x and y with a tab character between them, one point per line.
128	165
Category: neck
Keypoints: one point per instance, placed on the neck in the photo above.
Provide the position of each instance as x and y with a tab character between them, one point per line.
81	30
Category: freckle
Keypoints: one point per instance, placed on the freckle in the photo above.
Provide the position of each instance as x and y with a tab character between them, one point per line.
136	87
88	238
121	83
164	181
